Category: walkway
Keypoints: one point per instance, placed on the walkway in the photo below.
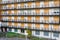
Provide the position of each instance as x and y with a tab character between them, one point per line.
13	39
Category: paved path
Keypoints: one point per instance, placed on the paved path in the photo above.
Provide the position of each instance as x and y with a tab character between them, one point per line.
13	39
17	39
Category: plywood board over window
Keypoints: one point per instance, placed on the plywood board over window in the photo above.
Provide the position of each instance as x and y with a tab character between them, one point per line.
46	18
37	4
46	26
29	4
22	25
56	27
15	24
15	5
15	12
1	12
37	26
22	5
37	18
29	25
9	23
9	6
56	3
46	3
9	12
22	17
29	18
46	11
9	18
37	11
56	18
15	18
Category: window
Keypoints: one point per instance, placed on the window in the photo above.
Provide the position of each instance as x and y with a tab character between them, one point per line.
46	33
15	30
22	30
55	34
10	29
37	32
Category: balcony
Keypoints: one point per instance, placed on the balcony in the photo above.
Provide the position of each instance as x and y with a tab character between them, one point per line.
33	21
31	14
47	29
33	28
28	7
17	1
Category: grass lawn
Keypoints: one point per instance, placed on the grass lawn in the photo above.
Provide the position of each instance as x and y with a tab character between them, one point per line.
12	35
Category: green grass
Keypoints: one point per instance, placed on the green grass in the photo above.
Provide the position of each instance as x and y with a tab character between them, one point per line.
36	38
12	35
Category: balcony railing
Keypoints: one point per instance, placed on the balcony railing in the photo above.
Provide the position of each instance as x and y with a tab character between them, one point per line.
31	14
18	1
34	28
31	7
33	21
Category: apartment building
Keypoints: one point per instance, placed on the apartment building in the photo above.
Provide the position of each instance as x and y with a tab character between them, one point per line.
40	17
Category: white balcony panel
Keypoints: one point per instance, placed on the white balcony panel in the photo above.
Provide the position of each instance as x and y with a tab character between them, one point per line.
12	24
12	6
42	4
12	18
19	24
18	19
41	11
25	18
51	4
12	12
25	25
33	26
33	5
41	18
51	19
18	6
25	5
51	11
50	26
41	26
33	18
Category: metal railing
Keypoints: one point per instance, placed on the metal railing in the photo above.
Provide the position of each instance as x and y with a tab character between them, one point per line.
33	28
32	21
47	14
4	2
21	7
